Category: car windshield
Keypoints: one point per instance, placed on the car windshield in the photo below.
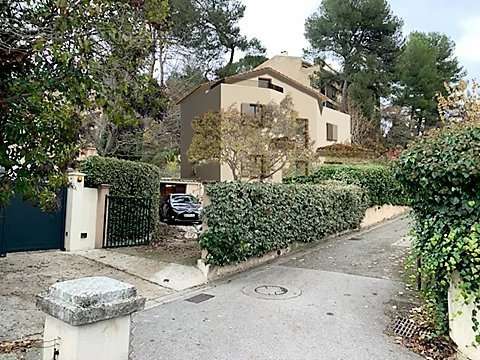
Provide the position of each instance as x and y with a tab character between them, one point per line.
184	199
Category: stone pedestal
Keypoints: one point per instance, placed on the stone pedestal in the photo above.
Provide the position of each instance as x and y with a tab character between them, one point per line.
89	318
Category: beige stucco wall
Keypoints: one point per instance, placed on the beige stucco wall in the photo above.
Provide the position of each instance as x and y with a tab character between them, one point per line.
342	120
292	67
197	104
226	96
307	107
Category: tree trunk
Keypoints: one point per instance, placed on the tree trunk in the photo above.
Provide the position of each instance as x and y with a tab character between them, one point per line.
162	66
232	55
3	246
345	96
154	52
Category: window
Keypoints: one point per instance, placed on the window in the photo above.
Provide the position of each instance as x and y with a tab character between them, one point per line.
332	132
267	84
264	83
302	130
252	109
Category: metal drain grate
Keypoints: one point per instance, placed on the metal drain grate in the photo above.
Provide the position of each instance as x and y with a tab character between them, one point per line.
406	328
197	299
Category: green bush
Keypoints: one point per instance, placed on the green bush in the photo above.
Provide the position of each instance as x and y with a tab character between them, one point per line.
377	180
441	174
126	178
246	220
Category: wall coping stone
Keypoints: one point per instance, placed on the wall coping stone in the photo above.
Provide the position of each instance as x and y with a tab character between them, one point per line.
89	300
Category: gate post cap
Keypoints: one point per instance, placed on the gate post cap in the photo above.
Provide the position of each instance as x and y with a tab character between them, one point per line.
89	300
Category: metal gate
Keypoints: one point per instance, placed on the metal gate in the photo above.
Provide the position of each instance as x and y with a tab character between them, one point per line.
26	227
128	221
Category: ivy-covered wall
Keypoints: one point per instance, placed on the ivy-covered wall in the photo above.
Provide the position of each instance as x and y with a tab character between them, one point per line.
441	174
246	220
377	180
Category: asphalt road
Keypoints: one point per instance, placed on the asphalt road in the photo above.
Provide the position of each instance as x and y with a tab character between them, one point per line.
326	303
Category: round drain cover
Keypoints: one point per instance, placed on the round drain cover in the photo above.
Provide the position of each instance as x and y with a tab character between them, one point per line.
271	292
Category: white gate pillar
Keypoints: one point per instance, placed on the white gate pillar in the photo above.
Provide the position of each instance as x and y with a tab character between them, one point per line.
80	214
88	319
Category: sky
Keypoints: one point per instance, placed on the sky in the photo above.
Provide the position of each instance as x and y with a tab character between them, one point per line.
279	24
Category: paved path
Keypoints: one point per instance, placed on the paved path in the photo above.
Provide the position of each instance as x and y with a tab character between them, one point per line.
168	275
338	293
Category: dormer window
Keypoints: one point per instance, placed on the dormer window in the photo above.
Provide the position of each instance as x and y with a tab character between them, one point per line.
265	83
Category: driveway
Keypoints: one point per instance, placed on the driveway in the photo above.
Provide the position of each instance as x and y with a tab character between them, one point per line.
24	275
329	302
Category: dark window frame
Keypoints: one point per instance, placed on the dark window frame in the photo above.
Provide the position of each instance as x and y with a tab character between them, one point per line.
333	134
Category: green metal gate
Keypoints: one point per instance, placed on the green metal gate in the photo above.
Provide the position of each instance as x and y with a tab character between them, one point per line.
128	221
25	227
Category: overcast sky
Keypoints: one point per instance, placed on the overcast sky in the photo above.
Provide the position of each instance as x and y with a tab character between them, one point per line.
279	24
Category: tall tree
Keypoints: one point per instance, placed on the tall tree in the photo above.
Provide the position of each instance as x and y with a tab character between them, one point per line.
364	37
426	63
204	30
60	60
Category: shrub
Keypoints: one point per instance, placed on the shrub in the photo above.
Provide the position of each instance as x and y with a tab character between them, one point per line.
126	178
348	151
246	220
377	180
441	174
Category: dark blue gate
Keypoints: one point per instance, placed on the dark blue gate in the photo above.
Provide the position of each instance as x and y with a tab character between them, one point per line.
25	227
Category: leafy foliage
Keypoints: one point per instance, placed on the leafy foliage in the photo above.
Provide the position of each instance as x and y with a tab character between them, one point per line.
378	181
254	146
365	37
426	62
59	61
126	178
246	220
206	31
441	173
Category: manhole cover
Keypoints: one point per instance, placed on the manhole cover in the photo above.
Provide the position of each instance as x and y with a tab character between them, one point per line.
271	292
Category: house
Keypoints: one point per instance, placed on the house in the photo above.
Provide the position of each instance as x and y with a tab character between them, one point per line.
269	82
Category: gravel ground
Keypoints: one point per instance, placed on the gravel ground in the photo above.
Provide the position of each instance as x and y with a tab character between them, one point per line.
24	275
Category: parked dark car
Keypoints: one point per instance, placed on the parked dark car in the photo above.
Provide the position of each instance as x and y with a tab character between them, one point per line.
181	208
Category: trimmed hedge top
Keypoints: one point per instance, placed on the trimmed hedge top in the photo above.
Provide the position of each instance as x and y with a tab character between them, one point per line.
378	181
126	178
246	220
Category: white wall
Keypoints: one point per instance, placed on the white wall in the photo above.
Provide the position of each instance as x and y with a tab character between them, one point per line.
81	215
105	340
460	316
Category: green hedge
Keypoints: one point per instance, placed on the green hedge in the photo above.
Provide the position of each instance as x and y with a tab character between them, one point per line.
377	180
441	174
246	220
126	178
